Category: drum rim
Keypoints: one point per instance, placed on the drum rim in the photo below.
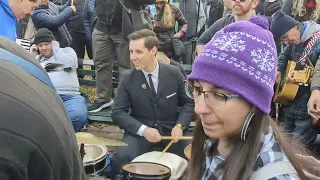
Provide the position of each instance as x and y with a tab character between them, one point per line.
169	173
98	159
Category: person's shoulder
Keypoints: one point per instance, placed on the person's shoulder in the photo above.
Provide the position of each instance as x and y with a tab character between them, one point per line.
174	8
67	49
224	21
175	63
170	68
228	18
128	74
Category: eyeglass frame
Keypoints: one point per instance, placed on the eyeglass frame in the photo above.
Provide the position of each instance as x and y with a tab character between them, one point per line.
227	96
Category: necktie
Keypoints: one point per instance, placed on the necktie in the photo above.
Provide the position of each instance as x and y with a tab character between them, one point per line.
151	85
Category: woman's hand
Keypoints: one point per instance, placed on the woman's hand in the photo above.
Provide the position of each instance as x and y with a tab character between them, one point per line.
178	34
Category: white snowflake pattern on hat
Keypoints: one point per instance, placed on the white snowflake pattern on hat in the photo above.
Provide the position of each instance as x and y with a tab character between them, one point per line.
230	42
264	58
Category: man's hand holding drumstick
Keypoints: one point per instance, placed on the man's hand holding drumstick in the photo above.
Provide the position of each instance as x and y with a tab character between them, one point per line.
176	133
152	135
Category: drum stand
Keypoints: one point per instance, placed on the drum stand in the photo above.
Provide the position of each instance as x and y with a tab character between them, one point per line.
82	151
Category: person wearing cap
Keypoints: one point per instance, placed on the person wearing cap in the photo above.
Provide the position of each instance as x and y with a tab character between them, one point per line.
232	86
36	135
298	37
64	78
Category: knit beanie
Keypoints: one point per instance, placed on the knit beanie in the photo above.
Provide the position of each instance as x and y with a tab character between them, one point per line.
43	35
241	58
281	24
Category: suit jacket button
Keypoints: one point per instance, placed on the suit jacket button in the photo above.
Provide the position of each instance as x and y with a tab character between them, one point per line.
155	105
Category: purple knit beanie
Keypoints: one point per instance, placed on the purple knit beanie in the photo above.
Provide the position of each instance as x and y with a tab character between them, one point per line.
241	58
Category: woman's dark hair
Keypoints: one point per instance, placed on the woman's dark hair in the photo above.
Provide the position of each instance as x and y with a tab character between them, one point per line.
243	154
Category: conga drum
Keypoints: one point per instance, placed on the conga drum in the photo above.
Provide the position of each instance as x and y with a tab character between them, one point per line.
144	171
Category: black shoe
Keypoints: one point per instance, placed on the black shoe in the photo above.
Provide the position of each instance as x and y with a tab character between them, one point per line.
98	106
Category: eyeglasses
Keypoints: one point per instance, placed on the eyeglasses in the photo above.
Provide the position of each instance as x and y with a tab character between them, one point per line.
212	98
284	37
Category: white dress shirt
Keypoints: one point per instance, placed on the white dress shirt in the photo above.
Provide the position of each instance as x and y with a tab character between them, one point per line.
155	80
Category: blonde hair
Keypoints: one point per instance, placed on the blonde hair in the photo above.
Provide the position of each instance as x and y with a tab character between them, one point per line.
299	9
162	57
167	19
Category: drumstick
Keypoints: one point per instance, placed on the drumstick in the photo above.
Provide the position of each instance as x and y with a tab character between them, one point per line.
182	138
165	149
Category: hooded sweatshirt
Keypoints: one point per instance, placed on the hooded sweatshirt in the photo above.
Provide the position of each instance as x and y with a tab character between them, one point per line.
8	21
311	28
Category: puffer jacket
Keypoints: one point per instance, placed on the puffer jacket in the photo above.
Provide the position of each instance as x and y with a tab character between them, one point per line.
54	18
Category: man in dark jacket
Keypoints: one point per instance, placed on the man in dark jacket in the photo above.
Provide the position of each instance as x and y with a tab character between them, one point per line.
80	44
153	92
107	39
298	37
37	138
54	17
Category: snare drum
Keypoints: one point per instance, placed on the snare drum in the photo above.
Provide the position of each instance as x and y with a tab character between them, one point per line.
175	163
145	171
94	161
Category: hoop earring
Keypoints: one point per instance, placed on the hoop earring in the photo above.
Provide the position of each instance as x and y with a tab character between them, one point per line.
246	125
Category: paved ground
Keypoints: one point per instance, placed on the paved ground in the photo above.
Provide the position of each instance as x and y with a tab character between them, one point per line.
98	178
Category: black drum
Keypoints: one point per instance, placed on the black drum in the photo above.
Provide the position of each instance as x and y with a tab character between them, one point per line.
144	171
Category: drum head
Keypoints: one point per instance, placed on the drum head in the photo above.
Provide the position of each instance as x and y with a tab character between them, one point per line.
94	161
146	168
94	153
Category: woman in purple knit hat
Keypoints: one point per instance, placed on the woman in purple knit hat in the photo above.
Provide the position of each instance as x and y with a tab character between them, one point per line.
232	87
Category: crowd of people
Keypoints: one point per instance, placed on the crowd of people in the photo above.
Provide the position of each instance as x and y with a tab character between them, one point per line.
239	49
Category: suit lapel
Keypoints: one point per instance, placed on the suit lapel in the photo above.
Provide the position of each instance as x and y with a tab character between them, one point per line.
162	75
144	85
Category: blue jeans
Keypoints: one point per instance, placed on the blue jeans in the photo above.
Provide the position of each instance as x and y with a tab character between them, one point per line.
77	110
301	129
298	122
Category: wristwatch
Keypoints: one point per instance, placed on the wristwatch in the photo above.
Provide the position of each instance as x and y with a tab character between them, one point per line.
180	126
